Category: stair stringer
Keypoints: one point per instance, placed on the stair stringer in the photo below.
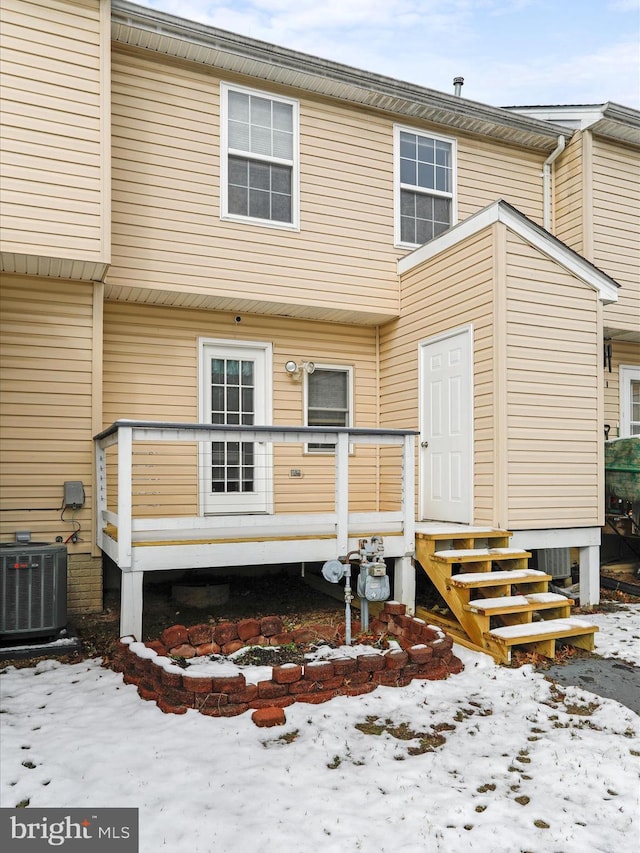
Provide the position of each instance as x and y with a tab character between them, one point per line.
476	625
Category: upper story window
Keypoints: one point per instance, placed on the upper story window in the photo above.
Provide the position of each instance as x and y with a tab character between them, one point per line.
425	186
259	157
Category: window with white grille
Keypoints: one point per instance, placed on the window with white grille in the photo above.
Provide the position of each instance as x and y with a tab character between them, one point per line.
259	157
425	186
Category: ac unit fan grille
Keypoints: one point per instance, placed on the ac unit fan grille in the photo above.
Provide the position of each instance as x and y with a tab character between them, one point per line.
33	591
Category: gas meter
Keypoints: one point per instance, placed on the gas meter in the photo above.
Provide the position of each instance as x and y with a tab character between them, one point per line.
373	581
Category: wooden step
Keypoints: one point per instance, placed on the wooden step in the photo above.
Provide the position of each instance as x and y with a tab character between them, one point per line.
447	532
473	555
532	632
480	579
517	603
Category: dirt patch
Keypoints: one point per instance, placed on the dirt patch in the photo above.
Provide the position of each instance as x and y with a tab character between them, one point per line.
281	594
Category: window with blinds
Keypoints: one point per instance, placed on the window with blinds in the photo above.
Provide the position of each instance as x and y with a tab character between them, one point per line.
259	157
425	170
328	401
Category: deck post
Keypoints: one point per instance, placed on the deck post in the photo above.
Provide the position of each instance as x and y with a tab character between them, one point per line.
589	575
131	605
408	495
125	472
342	494
404	583
101	491
404	577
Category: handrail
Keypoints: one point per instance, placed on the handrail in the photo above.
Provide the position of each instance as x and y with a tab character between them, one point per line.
263	428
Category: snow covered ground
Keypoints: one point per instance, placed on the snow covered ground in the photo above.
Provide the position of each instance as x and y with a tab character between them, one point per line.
521	765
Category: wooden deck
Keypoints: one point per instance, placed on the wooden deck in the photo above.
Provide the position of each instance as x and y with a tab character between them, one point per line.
138	543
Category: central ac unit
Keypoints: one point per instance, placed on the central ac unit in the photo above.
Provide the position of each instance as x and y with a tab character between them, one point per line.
555	562
33	589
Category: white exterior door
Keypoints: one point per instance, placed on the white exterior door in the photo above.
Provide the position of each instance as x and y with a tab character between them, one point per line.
446	427
235	389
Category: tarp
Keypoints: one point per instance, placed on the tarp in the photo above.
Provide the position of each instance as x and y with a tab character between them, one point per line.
622	467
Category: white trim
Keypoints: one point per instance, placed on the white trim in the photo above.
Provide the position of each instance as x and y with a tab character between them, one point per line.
452	196
500	211
450	333
628	374
266	349
345	368
294	225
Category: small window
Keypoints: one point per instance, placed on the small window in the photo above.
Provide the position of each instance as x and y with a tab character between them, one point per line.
425	169
328	393
259	152
629	400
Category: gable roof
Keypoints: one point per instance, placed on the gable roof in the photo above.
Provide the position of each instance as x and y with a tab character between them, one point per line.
168	35
502	211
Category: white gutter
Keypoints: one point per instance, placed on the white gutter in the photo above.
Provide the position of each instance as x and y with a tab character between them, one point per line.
546	181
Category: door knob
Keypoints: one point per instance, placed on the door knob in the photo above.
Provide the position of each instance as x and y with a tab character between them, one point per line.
424	444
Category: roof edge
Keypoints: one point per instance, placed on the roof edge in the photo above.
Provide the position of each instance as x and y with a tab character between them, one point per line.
501	211
321	77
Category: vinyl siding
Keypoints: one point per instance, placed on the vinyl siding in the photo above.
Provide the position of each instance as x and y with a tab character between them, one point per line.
166	226
170	244
451	290
569	195
46	417
151	373
554	433
616	227
51	143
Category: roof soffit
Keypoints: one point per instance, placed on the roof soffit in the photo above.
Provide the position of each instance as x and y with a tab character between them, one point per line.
502	211
165	34
610	120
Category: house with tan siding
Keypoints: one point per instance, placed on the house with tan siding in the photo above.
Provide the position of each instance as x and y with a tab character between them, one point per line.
266	307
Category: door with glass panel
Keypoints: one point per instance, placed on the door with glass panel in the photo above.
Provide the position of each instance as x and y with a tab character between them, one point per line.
235	476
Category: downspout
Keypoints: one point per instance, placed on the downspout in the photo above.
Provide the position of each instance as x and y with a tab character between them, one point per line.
546	182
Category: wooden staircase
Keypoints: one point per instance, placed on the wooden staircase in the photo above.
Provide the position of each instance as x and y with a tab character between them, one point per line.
496	600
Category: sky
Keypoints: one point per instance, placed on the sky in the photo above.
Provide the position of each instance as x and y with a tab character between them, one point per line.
525	764
510	52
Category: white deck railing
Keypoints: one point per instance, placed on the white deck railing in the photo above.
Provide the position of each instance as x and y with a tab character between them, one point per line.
159	528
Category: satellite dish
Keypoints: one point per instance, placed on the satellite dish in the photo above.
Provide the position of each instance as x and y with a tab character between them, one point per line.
333	571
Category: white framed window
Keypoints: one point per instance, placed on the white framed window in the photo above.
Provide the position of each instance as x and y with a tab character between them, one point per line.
259	172
629	400
328	400
425	179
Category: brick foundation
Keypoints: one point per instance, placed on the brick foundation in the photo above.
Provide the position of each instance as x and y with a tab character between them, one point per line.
84	584
426	654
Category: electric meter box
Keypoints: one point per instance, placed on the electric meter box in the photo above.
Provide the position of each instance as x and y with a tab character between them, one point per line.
73	493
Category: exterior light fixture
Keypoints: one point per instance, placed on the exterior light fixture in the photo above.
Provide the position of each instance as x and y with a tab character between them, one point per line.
295	370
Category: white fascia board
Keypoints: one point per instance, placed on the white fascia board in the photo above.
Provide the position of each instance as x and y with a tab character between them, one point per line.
500	211
575	116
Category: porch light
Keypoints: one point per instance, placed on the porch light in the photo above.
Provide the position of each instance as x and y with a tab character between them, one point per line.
294	369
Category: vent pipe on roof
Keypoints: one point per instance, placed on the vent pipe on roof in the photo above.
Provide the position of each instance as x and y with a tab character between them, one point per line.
457	86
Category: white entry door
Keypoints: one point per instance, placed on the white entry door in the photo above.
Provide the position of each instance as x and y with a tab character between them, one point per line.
235	389
446	427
